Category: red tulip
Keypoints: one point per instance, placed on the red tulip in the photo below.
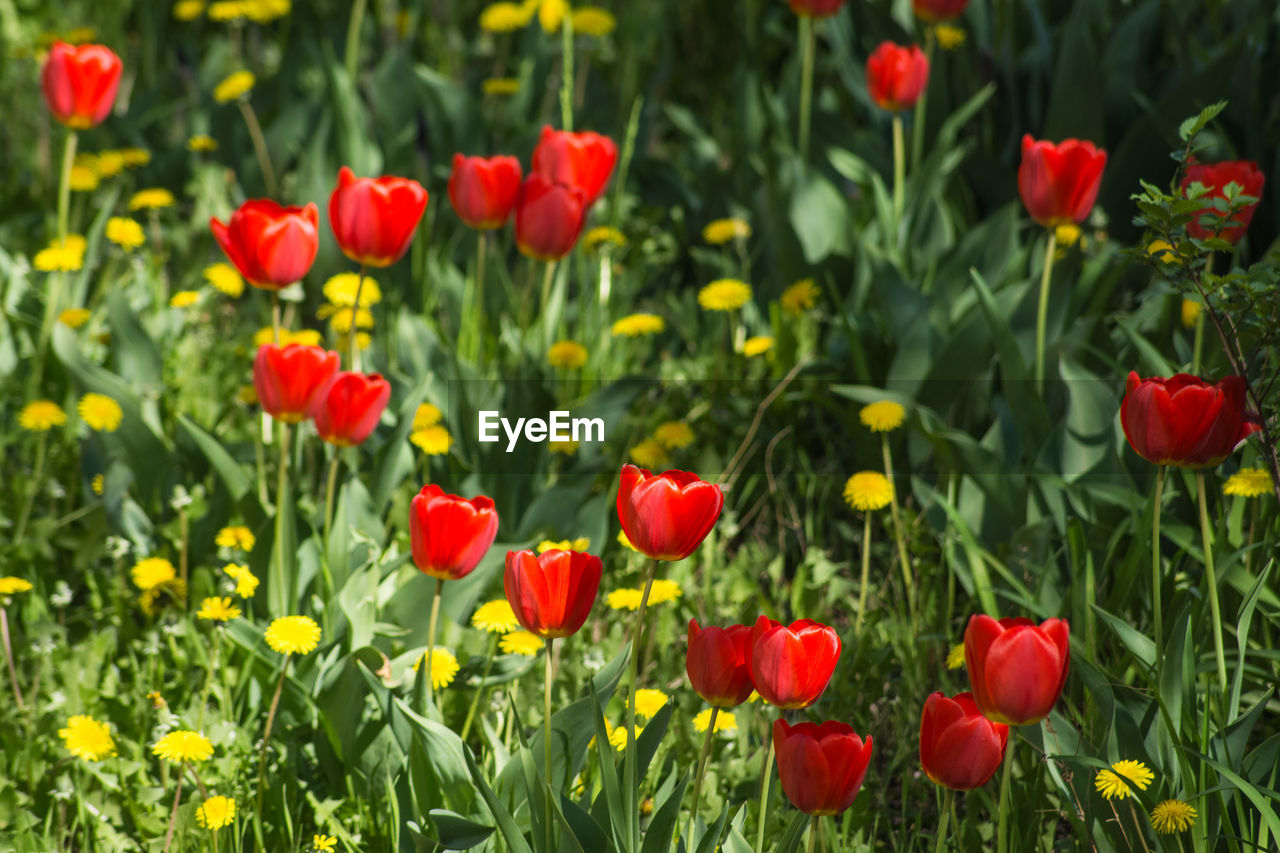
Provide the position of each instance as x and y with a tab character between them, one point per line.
1016	668
1215	177
552	592
584	160
937	11
959	748
450	534
1059	183
292	381
352	407
668	515
373	219
718	663
821	766
80	83
791	665
896	76
272	246
483	191
815	8
1183	420
549	218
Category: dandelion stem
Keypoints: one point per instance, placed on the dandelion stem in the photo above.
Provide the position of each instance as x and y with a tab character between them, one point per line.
633	760
866	573
431	639
1002	828
899	177
266	734
1155	569
37	475
481	689
546	739
806	83
8	656
354	351
1042	312
352	55
702	769
173	813
765	779
208	679
259	145
947	799
898	533
1211	579
1142	836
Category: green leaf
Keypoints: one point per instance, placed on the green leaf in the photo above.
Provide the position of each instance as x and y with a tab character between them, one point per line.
506	824
232	473
1191	126
820	218
658	837
1138	645
456	832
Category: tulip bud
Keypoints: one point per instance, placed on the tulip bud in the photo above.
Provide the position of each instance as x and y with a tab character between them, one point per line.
668	515
272	246
373	219
718	663
959	747
1017	669
352	407
1059	183
821	766
483	191
1215	177
448	534
896	76
549	218
552	592
80	83
792	665
292	381
584	160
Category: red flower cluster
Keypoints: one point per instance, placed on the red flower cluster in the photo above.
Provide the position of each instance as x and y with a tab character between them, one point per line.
1214	178
296	383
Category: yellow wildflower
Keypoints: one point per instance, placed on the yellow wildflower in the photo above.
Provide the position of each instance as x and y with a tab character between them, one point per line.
593	21
100	412
426	415
649	454
1067	234
635	325
673	435
868	490
882	416
340	290
1248	483
725	721
601	234
520	643
649	702
202	142
503	18
323	843
98	484
725	230
496	617
624	599
87	738
41	415
955	657
949	37
125	232
725	294
291	635
582	543
1191	310
664	590
188	10
225	279
218	609
444	667
12	585
184	299
565	448
433	441
551	14
500	86
567	355
183	746
74	318
83	179
246	581
237	536
1172	816
62	256
233	87
1163	250
152	198
216	812
152	572
758	345
799	297
1120	778
306	337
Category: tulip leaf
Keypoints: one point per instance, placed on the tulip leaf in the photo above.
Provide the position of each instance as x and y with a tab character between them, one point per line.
1138	645
794	835
506	824
657	838
231	472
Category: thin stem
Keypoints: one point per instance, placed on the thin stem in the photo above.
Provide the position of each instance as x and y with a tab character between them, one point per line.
1197	343
331	486
275	317
633	785
1155	569
282	499
475	336
898	532
1142	836
547	279
566	72
917	119
1002	831
37	475
546	737
354	352
702	769
866	572
947	800
431	638
259	145
64	185
807	44
266	734
173	813
813	833
184	547
1211	579
764	791
8	656
353	37
481	689
1042	313
208	679
899	177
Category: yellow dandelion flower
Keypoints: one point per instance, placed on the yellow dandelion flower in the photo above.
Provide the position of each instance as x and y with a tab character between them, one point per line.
635	325
598	236
955	657
593	21
363	339
225	279
323	843
163	594
98	484
83	179
649	454
157	701
673	435
152	572
132	158
722	231
202	142
1190	313
551	14
306	337
183	746
725	294
725	721
565	448
216	812
1120	778
882	416
341	319
799	297
340	290
188	10
444	666
125	232
868	490
624	599
582	543
649	702
184	299
237	536
247	395
626	543
228	10
87	738
758	345
501	86
80	35
100	412
62	256
567	355
234	86
74	318
41	415
1163	250
426	415
949	37
1173	816
246	581
1248	483
290	635
618	737
11	585
1067	234
152	198
496	617
108	164
218	609
433	441
664	590
503	18
520	643
266	11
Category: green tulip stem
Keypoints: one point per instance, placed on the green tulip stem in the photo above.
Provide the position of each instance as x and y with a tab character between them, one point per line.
352	332
764	789
1002	829
481	688
59	280
702	769
429	661
275	317
474	327
633	779
899	177
898	533
283	505
814	823
546	739
64	185
807	44
1211	579
1042	312
947	799
34	489
866	572
917	119
259	145
566	73
331	488
547	278
1155	569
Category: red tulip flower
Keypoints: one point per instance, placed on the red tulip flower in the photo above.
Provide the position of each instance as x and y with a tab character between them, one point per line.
584	160
549	218
292	381
80	83
271	245
351	408
939	11
373	219
1183	420
449	535
896	76
1215	177
1016	669
666	516
959	747
718	663
815	8
821	766
552	592
791	665
483	191
1059	183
